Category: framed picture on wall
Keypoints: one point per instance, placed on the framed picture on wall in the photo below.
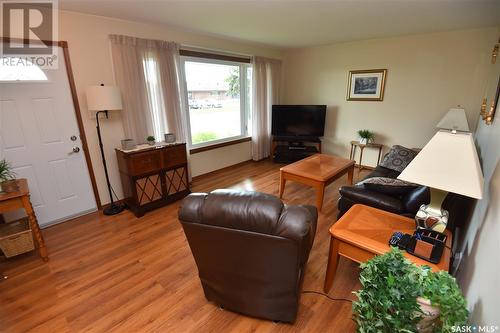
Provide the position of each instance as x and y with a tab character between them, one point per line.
366	85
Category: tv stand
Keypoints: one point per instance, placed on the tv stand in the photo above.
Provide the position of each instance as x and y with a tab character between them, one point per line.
286	149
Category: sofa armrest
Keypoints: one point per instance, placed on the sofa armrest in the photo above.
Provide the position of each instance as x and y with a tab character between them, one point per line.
299	224
190	209
370	198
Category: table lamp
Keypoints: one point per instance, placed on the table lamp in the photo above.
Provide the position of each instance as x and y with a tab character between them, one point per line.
102	99
454	120
447	163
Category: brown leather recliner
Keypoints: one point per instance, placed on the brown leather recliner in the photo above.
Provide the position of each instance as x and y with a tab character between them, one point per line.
250	249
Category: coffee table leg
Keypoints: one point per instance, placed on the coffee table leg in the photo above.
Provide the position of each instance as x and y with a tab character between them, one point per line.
320	193
333	261
350	175
282	184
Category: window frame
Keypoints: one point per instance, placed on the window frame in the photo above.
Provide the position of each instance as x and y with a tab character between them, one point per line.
244	110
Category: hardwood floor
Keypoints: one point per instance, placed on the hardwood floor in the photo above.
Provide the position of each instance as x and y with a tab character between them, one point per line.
124	274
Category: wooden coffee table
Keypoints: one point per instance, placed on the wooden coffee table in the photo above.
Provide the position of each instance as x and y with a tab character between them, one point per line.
317	171
364	232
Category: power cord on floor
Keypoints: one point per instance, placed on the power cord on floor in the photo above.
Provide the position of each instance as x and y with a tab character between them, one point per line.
327	296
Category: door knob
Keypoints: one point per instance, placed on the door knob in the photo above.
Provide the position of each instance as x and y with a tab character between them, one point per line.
76	149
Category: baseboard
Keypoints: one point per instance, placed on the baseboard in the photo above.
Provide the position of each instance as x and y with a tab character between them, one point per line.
365	167
225	169
119	202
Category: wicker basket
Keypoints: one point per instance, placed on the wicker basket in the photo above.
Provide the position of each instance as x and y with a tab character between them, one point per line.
16	238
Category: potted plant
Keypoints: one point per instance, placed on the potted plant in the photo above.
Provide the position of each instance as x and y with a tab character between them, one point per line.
6	174
365	136
399	296
151	140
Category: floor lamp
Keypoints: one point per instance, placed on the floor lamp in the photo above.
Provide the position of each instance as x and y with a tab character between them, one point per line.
103	99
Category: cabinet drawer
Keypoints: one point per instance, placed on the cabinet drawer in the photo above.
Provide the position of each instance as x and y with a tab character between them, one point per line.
174	156
144	162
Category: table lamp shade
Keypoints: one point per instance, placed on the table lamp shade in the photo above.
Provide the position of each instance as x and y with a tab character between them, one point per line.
100	98
455	120
448	162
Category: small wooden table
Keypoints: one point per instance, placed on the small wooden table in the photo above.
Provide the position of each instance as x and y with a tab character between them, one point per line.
361	146
21	199
364	232
317	171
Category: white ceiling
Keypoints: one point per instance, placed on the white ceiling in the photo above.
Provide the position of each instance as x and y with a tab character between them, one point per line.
283	23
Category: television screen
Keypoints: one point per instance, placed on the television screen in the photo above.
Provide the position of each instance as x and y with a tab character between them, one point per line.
298	120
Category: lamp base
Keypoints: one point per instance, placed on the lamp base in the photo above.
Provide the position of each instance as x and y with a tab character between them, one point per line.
113	209
432	216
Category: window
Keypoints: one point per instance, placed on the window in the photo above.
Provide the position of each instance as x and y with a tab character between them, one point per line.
219	100
16	69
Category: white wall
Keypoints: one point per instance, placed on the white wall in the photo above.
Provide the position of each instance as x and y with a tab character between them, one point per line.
479	273
426	75
90	53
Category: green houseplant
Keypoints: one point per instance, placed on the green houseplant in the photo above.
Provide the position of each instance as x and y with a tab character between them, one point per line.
6	173
393	288
365	136
151	140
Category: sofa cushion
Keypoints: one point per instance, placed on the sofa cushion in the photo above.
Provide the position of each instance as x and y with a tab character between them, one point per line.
398	158
391	186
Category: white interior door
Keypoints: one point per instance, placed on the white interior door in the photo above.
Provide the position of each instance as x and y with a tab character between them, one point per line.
38	133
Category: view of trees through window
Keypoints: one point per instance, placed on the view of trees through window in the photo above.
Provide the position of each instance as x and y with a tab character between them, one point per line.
217	109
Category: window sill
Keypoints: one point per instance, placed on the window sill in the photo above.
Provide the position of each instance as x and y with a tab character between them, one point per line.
219	145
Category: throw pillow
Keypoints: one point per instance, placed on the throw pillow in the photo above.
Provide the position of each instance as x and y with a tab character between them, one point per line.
388	186
398	158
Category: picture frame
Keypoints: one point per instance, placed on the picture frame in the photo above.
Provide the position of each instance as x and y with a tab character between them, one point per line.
366	85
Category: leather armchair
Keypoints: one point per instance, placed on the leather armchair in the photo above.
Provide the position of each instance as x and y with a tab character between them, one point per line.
250	249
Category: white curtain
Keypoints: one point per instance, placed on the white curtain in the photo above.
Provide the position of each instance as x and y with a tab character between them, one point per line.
148	74
266	82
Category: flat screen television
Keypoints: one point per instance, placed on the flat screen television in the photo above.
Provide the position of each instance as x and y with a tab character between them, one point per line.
298	120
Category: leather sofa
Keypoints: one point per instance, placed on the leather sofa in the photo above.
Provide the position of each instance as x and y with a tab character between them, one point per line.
250	250
407	204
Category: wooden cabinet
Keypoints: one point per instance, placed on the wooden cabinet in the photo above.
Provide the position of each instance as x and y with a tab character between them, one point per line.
154	176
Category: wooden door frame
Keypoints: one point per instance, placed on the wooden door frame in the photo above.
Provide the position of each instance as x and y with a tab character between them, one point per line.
76	104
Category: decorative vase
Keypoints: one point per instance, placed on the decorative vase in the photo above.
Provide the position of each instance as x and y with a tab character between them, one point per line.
430	317
151	143
363	141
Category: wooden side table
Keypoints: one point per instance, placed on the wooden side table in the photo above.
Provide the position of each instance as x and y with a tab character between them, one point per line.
364	232
355	144
21	199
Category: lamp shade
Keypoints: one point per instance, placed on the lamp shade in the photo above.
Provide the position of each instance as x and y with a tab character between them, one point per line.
448	162
101	98
455	120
